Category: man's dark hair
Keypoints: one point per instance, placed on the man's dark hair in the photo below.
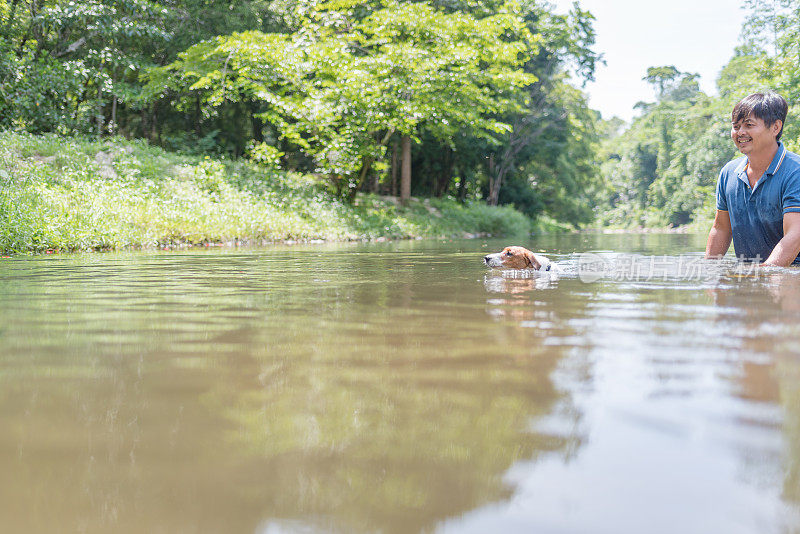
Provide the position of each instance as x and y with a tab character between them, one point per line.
768	107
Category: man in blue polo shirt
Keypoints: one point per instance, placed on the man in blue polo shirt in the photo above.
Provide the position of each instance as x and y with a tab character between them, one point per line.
758	196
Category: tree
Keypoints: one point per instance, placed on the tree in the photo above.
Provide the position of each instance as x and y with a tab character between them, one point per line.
75	66
662	170
662	78
340	93
672	84
475	91
72	62
770	57
542	132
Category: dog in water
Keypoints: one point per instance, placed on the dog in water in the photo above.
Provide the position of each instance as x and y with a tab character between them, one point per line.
518	258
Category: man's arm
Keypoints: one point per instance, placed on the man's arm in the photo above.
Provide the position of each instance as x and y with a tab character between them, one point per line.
787	248
719	238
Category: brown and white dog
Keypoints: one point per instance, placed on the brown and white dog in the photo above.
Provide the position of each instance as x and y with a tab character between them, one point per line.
518	258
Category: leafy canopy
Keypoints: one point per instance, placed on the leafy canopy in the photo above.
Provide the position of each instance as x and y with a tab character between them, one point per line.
339	88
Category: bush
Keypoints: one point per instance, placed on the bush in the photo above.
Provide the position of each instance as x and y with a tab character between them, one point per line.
77	194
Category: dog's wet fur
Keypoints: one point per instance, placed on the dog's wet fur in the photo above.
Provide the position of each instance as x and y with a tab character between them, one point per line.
518	258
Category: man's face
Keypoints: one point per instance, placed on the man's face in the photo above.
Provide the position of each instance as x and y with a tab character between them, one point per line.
751	135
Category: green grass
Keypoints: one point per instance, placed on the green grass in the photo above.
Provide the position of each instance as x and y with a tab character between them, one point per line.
68	194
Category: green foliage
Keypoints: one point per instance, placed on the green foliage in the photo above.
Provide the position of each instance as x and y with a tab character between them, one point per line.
72	67
64	62
328	87
322	87
771	57
265	155
339	94
672	84
546	164
67	194
663	170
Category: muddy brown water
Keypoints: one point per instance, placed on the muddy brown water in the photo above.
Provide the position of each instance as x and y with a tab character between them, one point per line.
399	387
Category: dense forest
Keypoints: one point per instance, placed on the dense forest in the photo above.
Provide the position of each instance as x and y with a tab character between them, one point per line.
662	169
476	100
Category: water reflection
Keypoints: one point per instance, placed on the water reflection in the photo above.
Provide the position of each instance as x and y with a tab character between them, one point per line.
394	388
249	391
652	337
512	282
766	308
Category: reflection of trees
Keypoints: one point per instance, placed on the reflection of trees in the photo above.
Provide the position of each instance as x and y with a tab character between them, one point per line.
416	422
106	452
361	393
392	444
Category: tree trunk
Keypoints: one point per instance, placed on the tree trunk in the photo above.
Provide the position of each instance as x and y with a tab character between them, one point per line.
405	174
145	123
462	188
197	117
494	183
36	31
366	165
99	117
238	140
447	173
79	100
394	168
376	183
21	46
258	125
494	194
155	127
521	136
113	125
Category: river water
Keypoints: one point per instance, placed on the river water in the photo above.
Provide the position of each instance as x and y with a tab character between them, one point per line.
400	387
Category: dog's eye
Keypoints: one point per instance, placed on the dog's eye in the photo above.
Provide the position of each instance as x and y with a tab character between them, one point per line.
509	253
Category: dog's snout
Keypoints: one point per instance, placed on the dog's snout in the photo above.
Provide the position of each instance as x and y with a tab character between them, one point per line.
486	259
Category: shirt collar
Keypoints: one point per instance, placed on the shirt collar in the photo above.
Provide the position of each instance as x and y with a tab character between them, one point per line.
777	160
741	169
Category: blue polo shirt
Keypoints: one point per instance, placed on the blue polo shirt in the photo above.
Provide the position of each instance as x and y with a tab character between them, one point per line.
757	214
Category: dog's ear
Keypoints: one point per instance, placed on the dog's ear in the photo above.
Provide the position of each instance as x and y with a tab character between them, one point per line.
532	260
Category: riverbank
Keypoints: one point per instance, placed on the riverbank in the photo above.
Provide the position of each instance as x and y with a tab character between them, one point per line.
67	194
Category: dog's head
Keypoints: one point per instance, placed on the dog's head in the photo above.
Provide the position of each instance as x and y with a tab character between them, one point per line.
513	258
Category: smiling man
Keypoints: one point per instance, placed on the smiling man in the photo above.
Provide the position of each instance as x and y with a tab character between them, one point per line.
758	196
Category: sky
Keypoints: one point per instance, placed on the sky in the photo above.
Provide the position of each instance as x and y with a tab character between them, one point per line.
696	36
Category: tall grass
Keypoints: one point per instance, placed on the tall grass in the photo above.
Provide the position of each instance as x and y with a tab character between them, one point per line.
72	194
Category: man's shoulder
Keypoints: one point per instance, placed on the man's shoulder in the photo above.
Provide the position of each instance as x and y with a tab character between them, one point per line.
792	160
734	166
